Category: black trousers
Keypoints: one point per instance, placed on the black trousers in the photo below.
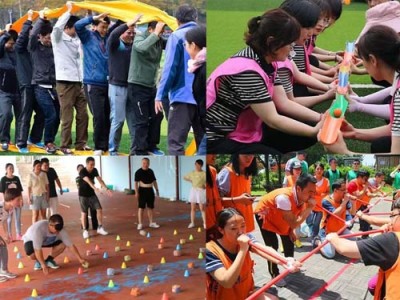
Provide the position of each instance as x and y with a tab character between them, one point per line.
181	117
364	226
143	122
99	106
271	239
28	106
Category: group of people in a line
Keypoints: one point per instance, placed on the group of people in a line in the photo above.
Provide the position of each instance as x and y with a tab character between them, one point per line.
262	98
326	208
57	71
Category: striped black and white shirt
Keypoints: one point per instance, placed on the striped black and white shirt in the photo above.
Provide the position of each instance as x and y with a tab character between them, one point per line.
285	77
234	94
396	110
300	58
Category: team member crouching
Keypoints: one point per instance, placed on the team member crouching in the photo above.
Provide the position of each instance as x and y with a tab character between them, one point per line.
48	234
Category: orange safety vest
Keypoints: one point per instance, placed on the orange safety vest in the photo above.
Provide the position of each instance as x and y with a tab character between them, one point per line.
364	198
243	286
273	220
214	204
239	185
391	278
330	223
324	188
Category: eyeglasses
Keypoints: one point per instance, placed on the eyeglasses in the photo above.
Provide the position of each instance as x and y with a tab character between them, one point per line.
395	215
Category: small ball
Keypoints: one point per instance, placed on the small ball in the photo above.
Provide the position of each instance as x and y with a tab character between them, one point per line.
337	113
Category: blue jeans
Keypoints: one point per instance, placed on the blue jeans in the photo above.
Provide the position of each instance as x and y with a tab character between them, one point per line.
118	96
48	102
314	221
203	146
328	250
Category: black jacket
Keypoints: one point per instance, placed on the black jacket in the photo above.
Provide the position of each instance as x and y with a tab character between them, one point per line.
8	75
199	91
24	62
119	57
44	71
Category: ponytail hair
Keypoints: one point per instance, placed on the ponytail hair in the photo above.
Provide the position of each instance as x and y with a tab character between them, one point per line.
382	42
271	31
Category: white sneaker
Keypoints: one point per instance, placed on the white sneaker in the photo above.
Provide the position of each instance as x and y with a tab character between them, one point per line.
85	234
139	226
191	225
101	231
98	152
7	274
154	225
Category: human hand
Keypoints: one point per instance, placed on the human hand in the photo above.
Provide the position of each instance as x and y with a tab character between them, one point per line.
8	27
292	235
330	94
134	20
332	236
30	15
159	28
109	193
348	130
45	269
243	241
101	16
246	199
293	265
311	203
42	13
69	5
386	227
158	107
338	147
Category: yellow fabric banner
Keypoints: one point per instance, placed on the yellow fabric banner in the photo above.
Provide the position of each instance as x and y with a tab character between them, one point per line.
124	10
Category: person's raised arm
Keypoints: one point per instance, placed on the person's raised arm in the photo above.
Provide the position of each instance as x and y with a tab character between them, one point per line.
33	39
80	26
142	44
58	28
21	44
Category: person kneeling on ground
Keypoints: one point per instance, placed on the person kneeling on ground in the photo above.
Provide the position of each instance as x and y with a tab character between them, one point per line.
48	234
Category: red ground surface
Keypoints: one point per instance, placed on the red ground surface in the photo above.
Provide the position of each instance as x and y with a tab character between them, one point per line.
119	219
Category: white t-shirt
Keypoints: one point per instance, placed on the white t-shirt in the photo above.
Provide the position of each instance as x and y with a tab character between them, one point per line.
40	235
283	201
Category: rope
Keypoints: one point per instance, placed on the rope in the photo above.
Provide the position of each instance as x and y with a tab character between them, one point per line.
301	260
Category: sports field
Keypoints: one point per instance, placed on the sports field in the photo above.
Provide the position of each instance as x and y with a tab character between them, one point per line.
227	22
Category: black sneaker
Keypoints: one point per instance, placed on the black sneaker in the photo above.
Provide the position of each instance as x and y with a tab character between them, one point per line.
51	263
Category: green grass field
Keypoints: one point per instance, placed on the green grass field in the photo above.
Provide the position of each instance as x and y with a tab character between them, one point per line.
227	22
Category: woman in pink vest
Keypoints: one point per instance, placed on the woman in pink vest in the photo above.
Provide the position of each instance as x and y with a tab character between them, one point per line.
240	90
379	48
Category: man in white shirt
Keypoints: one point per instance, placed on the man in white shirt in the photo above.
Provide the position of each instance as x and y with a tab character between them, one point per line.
68	65
48	234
